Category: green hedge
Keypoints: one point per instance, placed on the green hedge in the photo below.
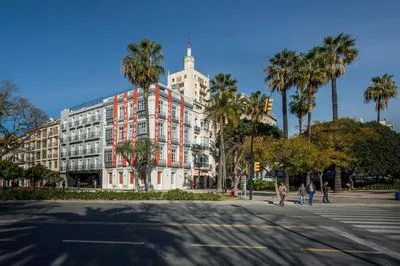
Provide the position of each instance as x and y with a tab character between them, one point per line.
260	185
380	187
59	194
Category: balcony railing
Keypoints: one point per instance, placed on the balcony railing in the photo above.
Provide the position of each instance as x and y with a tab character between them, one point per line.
84	167
161	114
175	141
91	151
186	165
92	135
202	165
96	118
161	138
63	154
199	147
187	122
196	128
175	119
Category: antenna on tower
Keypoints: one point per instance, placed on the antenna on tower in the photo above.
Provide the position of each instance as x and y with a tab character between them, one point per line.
189	42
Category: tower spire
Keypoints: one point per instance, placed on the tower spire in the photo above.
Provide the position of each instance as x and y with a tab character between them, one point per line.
188	61
189	48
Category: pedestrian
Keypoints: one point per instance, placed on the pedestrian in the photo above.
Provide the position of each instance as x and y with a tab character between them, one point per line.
95	183
63	184
325	190
302	193
311	191
282	193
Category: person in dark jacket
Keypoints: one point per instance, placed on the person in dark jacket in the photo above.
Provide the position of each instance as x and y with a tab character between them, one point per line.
325	190
311	191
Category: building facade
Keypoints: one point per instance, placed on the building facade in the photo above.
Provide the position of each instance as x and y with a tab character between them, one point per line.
81	144
170	130
194	85
41	147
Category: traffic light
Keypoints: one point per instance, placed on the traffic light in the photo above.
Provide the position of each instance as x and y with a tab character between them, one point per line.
256	166
268	105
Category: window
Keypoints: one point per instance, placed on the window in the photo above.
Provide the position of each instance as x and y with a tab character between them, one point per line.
130	109
108	158
174	132
109	136
174	155
109	113
173	80
184	76
141	104
121	112
185	156
173	179
173	111
160	106
161	129
129	132
161	153
186	140
120	131
142	128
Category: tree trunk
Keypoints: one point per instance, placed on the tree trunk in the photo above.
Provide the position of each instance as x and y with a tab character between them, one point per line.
308	178
320	182
300	125
310	96
285	118
379	115
338	179
137	180
219	180
334	99
148	165
287	182
223	156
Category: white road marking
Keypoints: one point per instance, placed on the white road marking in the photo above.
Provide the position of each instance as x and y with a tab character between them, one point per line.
102	242
383	223
394	237
364	242
377	226
16	229
385	231
7	239
60	260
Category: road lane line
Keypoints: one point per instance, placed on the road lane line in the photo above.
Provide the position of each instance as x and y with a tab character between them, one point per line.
7	239
367	226
102	242
340	250
369	222
364	242
227	246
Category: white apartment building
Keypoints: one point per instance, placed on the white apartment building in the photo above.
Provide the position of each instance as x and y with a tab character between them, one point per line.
194	85
170	116
81	138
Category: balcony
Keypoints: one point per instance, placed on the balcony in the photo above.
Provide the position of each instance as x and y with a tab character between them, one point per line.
187	122
186	165
86	167
206	129
142	113
175	164
161	138
161	114
84	121
63	154
187	144
199	147
91	151
196	129
202	165
96	118
175	141
161	163
175	119
55	155
76	138
93	135
63	169
74	153
63	126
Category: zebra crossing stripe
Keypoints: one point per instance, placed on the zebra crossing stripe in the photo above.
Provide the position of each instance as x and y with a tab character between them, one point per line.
377	226
369	222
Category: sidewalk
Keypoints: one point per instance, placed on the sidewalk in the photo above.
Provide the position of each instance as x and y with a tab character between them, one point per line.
342	198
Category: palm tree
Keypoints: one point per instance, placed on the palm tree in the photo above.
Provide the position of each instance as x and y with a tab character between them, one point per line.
380	91
310	75
255	111
298	107
142	67
135	156
221	109
339	51
280	77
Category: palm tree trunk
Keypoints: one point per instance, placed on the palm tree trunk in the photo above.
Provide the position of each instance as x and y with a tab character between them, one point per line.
148	165
220	171
334	99
285	118
379	110
310	96
300	125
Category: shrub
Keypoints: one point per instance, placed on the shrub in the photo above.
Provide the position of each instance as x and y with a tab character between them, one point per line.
261	184
59	194
380	187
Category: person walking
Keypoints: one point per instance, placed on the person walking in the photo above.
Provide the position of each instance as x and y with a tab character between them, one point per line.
282	193
302	193
325	190
311	191
63	184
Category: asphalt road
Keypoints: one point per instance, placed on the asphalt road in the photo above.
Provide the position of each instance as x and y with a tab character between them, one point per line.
165	233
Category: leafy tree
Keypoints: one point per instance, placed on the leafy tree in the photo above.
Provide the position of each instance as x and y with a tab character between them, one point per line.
338	138
380	91
10	171
281	77
19	118
338	52
379	156
40	173
222	108
142	66
298	106
136	156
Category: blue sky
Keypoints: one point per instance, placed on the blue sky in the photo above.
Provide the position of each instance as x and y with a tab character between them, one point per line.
63	53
